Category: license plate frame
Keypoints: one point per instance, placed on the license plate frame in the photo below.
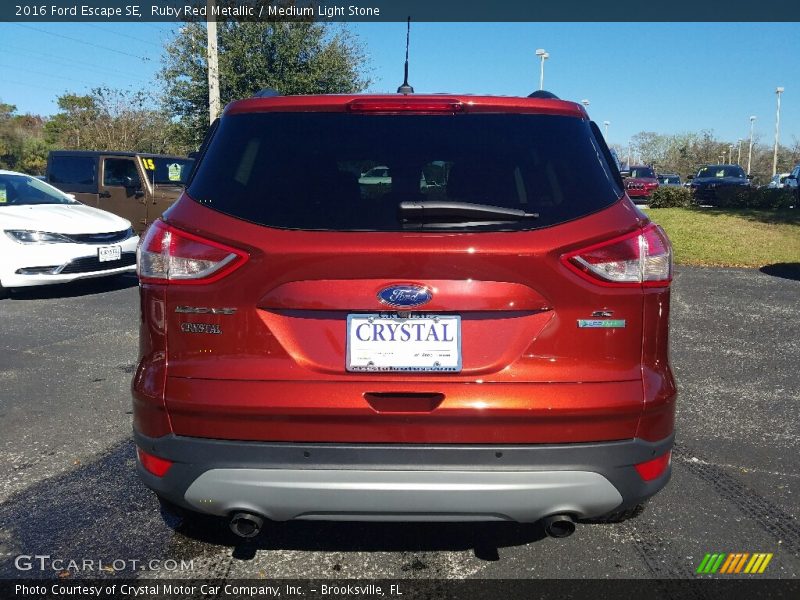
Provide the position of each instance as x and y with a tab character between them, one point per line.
109	253
423	356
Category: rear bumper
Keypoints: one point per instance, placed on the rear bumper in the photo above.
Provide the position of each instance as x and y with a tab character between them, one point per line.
408	482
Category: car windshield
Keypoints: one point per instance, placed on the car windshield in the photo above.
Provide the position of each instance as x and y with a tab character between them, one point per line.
18	190
720	171
642	172
166	170
313	170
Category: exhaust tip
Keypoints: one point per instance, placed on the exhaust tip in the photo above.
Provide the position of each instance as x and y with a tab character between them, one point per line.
246	525
559	526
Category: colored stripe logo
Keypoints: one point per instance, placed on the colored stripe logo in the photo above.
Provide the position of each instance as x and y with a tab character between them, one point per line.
734	563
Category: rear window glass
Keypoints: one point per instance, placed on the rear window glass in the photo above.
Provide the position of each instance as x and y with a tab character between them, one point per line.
350	172
72	170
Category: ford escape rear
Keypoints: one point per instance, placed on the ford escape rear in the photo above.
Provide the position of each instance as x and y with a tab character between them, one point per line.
491	345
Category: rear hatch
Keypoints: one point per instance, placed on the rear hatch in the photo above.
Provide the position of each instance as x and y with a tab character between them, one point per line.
313	328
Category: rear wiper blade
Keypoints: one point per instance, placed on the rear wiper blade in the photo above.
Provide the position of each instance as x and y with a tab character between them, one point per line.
439	209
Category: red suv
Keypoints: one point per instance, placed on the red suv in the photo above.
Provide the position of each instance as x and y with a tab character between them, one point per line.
640	183
485	341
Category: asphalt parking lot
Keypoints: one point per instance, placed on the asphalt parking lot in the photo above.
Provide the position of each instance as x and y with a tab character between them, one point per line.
68	487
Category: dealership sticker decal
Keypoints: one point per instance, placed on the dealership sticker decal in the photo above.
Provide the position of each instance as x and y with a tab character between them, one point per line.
736	563
601	323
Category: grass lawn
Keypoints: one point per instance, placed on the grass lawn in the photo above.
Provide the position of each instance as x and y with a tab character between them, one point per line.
731	237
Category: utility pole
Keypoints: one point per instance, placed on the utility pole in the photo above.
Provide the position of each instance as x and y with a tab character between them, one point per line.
750	151
739	151
778	92
214	102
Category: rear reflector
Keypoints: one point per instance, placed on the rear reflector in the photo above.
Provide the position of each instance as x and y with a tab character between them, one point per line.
404	104
640	258
169	255
153	464
653	469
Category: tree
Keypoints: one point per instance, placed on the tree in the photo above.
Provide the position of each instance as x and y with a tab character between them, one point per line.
293	58
22	144
110	119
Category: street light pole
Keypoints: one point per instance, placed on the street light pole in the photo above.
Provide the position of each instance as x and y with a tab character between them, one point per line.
606	123
739	151
585	103
543	55
778	92
750	151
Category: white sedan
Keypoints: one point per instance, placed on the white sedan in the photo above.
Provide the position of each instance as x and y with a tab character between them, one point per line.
48	237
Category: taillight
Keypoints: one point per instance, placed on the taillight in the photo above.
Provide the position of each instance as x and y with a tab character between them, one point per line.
169	255
153	464
641	258
653	469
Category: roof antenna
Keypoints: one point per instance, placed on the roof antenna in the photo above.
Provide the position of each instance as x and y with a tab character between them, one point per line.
405	88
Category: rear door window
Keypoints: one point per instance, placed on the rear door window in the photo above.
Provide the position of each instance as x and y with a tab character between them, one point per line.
350	172
73	173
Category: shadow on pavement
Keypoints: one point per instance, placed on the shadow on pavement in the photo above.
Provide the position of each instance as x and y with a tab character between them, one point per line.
100	510
783	270
85	287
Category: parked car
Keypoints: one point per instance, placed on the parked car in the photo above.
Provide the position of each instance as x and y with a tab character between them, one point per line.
712	179
378	180
138	187
777	182
490	348
376	176
669	179
48	237
640	181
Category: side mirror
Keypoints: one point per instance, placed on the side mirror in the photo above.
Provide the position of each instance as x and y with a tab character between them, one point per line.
133	183
624	174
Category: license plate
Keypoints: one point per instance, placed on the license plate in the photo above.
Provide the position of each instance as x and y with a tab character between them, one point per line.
107	253
390	343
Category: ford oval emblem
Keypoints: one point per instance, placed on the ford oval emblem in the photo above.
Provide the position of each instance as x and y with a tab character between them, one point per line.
405	295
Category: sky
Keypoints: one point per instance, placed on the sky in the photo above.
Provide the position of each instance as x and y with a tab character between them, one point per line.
662	77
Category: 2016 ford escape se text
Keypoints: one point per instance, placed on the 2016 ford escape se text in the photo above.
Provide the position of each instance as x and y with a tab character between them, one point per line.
483	336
